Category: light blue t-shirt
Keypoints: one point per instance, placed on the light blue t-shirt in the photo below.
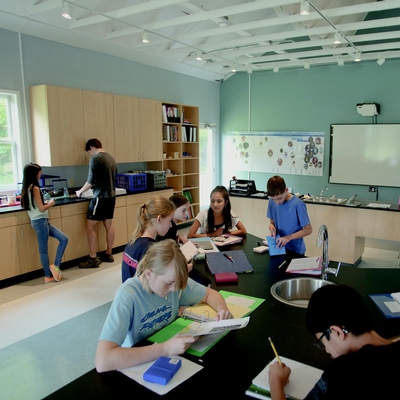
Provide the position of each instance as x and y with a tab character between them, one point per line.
289	217
136	314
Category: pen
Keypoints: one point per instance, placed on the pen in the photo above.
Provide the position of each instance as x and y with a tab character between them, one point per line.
230	258
276	353
282	264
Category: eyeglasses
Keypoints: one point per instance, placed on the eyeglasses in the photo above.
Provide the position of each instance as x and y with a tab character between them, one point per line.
319	344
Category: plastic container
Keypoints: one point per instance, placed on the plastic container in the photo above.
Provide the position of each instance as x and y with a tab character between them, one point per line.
132	182
156	179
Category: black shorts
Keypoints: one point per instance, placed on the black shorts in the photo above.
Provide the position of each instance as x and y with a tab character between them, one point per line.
101	208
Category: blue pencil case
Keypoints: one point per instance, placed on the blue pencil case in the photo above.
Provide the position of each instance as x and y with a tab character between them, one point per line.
162	370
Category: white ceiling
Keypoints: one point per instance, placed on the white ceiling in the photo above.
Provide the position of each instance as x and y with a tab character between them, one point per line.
260	34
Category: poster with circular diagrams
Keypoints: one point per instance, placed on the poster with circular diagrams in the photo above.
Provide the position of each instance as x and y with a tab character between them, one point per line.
297	153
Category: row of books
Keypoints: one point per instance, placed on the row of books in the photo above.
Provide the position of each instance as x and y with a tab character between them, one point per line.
170	133
189	134
170	114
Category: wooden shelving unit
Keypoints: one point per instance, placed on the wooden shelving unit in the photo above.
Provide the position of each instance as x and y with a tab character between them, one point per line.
180	139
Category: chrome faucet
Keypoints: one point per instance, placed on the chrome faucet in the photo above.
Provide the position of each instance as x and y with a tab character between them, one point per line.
323	238
322	192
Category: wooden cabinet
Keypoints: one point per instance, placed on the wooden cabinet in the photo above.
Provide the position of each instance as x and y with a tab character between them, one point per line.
137	129
8	239
57	125
127	129
98	119
74	226
120	226
19	243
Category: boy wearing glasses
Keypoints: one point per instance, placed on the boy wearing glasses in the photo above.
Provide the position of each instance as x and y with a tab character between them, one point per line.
364	366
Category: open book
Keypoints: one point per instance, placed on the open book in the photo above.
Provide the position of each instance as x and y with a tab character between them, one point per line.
214	327
302	379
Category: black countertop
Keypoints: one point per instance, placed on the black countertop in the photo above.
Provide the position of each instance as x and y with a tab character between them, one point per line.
234	361
71	200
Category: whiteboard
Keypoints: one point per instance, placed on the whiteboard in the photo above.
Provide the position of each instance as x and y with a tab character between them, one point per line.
298	153
367	154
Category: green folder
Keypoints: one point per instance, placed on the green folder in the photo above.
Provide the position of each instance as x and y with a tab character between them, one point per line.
180	323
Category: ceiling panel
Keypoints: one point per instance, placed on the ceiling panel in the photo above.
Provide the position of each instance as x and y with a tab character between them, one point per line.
251	35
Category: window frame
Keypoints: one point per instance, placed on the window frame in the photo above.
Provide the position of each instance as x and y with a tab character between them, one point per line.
17	136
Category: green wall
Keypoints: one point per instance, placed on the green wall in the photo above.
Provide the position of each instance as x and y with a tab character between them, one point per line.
309	101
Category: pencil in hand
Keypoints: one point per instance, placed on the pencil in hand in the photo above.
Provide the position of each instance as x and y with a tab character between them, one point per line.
276	353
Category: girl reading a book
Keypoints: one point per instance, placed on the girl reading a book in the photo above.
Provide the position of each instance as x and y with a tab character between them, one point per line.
148	302
218	219
181	213
153	218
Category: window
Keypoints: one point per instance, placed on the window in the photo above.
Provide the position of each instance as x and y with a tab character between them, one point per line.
207	164
10	141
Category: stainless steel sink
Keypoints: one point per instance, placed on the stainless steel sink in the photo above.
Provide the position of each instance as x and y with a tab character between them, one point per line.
297	292
326	199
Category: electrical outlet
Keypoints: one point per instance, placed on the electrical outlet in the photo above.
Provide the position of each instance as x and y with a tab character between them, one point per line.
373	189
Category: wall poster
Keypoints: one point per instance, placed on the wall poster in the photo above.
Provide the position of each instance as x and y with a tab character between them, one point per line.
296	153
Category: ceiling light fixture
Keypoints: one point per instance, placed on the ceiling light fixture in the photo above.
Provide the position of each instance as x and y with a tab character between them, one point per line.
357	56
340	62
380	60
305	7
233	69
199	55
338	38
249	69
145	37
306	65
276	69
66	11
224	23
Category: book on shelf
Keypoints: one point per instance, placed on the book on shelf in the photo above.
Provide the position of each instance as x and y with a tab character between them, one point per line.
302	379
164	113
188	195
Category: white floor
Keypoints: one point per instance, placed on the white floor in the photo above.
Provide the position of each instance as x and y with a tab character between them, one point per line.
49	332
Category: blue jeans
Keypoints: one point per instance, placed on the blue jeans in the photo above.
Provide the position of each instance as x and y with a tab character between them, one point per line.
43	230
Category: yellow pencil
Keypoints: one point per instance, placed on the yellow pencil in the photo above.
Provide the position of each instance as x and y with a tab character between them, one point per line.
276	353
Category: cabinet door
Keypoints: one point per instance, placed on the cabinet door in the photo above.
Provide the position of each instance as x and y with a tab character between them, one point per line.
126	129
74	227
10	263
120	226
98	115
28	247
57	125
150	130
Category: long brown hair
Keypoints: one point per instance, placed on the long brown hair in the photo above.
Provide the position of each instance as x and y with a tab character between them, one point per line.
155	206
29	181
